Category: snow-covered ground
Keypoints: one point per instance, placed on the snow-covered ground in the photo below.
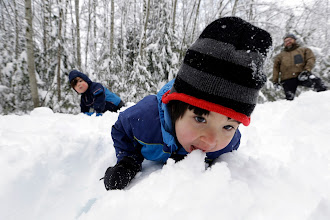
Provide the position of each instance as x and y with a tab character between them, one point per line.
50	166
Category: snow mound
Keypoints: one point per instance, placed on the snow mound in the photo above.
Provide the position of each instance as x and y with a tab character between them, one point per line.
51	166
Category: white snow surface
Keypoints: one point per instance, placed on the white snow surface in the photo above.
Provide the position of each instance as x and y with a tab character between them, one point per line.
51	163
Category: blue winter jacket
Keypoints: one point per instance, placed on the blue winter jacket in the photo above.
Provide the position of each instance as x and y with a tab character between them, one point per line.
145	131
96	96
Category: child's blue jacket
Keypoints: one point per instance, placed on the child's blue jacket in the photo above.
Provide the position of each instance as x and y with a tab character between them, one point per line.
95	96
145	131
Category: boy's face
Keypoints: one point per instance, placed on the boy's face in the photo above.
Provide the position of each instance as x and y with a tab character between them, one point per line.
81	85
208	133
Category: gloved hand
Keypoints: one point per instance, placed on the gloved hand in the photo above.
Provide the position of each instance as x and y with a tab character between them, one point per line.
304	75
177	157
119	176
91	113
277	86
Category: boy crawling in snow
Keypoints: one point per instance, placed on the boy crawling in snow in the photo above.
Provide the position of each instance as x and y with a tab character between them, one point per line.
215	90
93	95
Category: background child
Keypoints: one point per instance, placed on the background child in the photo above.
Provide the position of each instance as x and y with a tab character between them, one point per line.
93	95
216	89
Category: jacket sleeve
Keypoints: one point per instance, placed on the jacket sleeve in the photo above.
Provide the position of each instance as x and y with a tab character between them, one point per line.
99	98
123	138
83	107
112	97
309	59
276	68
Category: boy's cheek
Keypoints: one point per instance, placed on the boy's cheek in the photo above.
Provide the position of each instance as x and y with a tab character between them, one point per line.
185	137
223	144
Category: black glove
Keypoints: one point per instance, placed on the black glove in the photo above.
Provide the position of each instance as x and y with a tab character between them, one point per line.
277	85
177	157
304	75
119	176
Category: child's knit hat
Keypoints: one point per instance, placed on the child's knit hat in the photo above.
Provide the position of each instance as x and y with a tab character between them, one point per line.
223	70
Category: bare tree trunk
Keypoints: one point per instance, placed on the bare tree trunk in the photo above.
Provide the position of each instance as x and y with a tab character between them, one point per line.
123	34
250	17
234	8
8	14
94	21
174	14
65	18
88	30
196	16
143	36
73	33
94	40
106	21
30	54
112	21
46	21
78	33
185	30
327	19
59	51
2	26
222	7
16	32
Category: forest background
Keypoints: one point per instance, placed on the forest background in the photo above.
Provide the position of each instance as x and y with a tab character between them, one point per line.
133	47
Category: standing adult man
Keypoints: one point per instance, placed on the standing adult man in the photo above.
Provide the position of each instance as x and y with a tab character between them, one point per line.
292	68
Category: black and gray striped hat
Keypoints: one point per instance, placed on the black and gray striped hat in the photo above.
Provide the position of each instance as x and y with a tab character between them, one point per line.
223	70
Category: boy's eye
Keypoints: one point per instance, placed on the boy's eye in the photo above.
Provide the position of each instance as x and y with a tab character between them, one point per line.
200	119
228	127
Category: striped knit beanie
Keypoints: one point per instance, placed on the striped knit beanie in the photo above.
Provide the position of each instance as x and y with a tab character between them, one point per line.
223	70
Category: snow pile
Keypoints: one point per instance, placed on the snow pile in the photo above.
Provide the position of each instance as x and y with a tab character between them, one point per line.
51	165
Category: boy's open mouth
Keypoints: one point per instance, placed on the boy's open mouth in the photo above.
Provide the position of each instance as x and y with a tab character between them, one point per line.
192	148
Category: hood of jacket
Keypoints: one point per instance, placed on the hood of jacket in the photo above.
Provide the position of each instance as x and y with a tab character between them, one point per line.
165	120
75	73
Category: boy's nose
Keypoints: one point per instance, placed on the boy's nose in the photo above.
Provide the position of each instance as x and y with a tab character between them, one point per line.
210	140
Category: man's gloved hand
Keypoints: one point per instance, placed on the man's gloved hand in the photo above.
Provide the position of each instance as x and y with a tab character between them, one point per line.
304	75
119	176
277	86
